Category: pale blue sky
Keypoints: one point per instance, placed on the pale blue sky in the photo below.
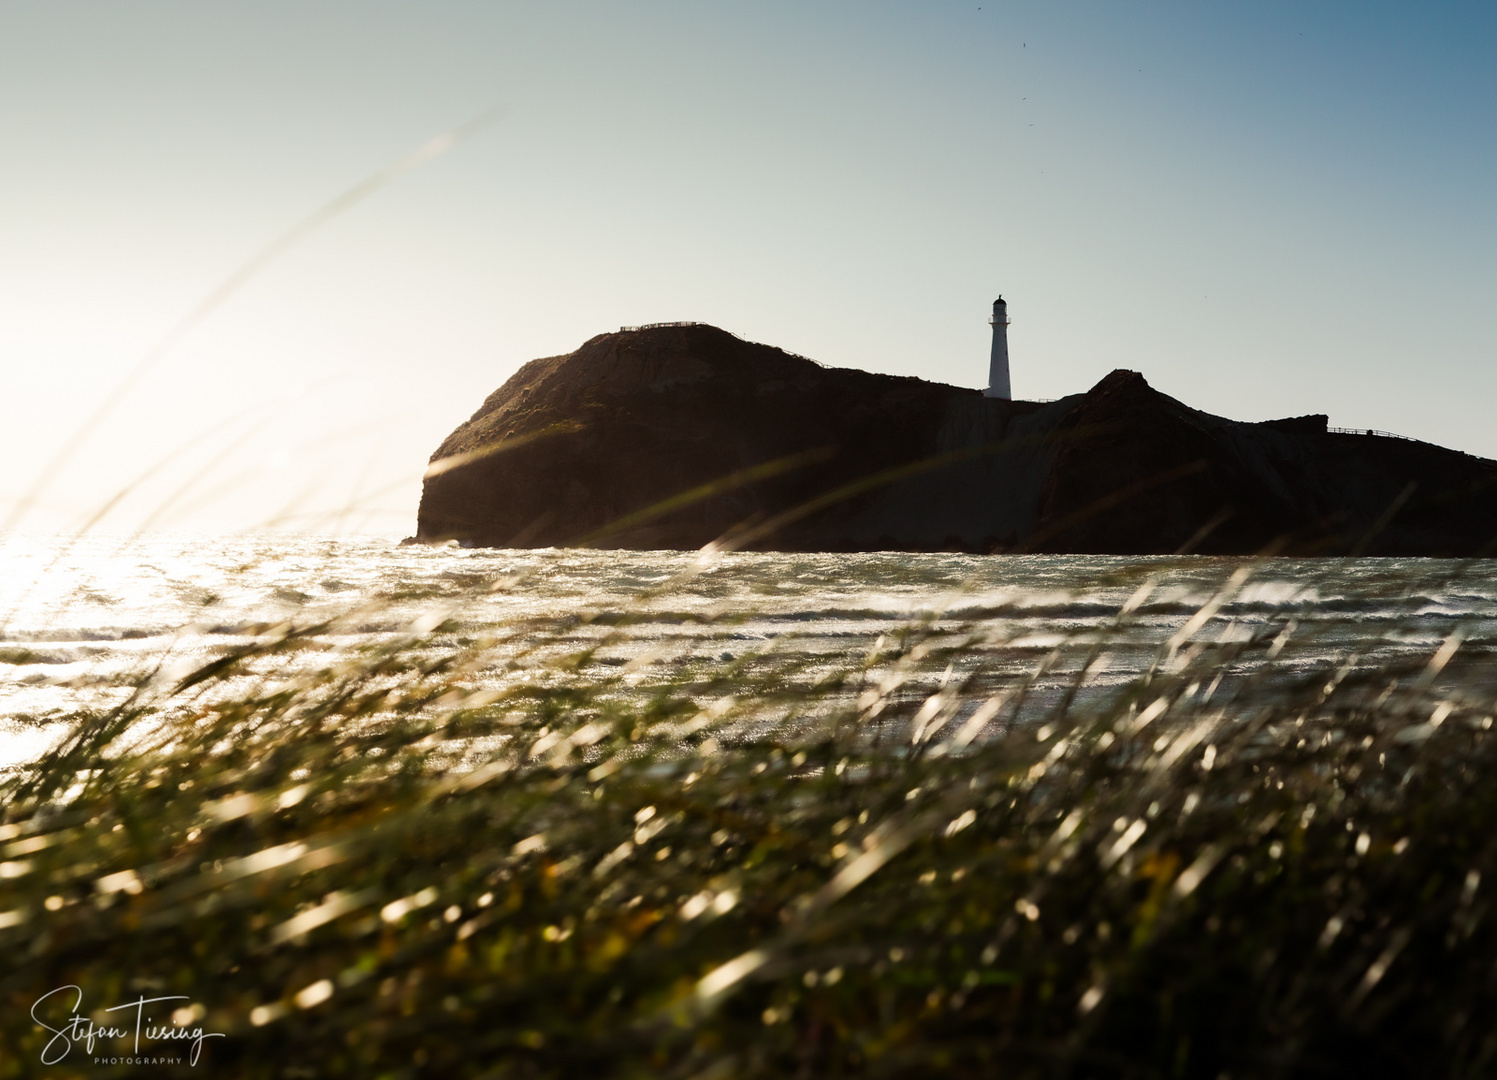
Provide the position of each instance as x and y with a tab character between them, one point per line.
1267	209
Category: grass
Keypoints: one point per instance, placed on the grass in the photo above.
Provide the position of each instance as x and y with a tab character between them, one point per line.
509	855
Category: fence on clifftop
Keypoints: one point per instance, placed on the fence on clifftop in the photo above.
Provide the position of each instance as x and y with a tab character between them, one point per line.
1371	431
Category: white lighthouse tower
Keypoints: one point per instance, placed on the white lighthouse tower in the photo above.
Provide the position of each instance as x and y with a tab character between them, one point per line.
998	385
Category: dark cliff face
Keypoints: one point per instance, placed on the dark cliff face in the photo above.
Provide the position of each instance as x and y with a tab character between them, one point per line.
681	436
634	418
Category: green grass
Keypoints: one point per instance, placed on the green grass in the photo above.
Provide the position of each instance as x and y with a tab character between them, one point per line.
503	856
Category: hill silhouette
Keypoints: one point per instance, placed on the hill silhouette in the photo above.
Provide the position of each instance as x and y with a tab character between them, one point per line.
684	435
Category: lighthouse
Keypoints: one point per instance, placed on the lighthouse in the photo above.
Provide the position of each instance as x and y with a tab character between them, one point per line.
998	386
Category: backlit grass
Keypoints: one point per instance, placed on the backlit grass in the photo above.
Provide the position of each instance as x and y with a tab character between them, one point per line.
504	854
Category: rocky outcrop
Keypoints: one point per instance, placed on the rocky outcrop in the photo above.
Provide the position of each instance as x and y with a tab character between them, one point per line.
681	436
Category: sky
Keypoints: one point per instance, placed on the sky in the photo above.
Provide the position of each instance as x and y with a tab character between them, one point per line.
1268	210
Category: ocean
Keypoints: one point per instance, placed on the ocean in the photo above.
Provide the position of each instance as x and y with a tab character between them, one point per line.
86	624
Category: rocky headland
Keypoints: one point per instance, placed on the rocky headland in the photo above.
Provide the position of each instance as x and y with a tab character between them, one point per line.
681	436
